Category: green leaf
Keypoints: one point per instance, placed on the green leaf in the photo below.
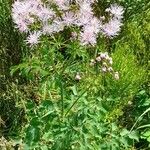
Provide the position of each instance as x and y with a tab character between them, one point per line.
134	135
148	139
142	92
114	127
44	147
32	135
124	141
124	132
74	90
146	134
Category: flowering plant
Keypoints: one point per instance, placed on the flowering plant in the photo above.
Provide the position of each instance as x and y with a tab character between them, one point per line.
69	68
56	15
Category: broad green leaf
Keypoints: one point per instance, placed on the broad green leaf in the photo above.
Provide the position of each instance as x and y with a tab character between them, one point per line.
134	135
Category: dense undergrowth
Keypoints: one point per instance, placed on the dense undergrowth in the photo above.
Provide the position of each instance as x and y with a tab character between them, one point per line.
52	98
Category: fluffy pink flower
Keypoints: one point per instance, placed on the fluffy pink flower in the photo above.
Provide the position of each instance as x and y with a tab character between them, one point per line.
47	29
20	15
45	13
116	10
55	27
82	19
69	18
22	26
87	37
86	1
27	12
112	28
74	35
85	8
62	4
95	25
33	38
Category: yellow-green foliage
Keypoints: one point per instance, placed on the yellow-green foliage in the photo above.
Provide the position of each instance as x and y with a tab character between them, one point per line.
131	56
136	36
131	74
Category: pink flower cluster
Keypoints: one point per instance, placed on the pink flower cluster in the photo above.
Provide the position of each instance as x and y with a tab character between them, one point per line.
104	61
55	15
113	27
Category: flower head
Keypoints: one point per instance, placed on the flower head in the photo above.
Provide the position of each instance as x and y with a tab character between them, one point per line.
33	38
45	13
87	36
69	18
116	10
85	9
112	28
62	4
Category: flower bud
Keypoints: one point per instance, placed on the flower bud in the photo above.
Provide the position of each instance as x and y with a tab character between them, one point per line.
110	60
116	75
77	77
110	69
105	64
98	58
104	69
92	62
104	55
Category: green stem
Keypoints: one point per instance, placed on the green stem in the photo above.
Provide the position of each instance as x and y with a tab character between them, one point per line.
62	98
147	110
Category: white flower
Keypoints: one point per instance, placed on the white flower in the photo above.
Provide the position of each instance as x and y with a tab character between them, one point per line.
69	18
55	27
87	37
112	28
116	10
62	4
45	13
95	25
33	38
85	9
